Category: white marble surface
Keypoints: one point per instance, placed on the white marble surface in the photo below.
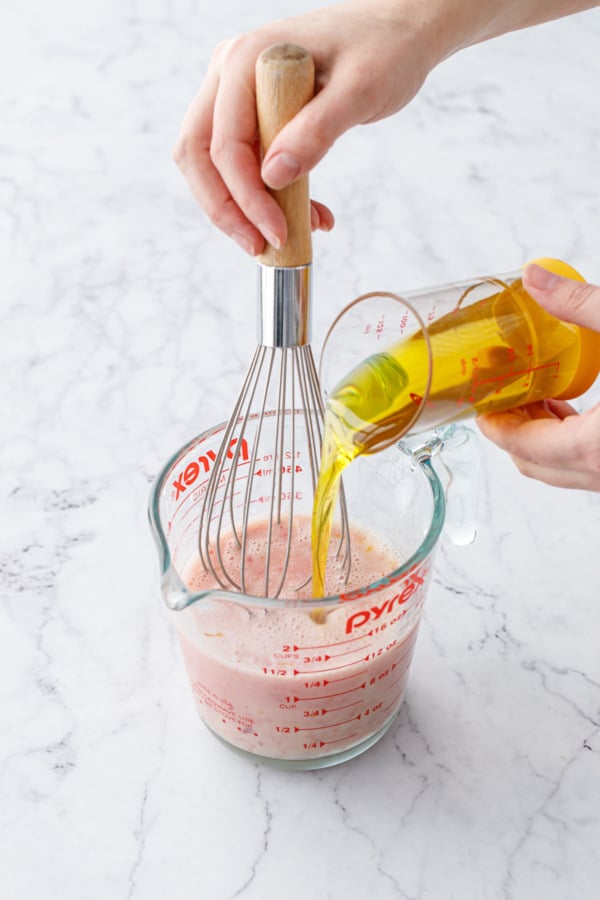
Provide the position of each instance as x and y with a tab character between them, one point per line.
126	324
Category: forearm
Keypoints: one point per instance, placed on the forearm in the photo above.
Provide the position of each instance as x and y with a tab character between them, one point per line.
456	24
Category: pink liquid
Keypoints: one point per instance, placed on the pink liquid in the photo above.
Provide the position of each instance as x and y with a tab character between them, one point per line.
301	682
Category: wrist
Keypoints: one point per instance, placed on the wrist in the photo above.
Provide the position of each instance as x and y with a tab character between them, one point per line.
440	27
456	24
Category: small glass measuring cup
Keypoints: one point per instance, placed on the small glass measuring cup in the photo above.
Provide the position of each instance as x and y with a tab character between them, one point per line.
485	346
270	678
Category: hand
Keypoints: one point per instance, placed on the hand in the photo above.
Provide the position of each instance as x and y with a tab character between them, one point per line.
371	58
549	440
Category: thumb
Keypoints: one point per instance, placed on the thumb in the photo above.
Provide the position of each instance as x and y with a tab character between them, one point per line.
309	135
565	298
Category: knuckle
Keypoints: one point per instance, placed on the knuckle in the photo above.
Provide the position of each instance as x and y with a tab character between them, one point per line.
218	148
581	293
370	102
222	51
215	217
524	466
233	48
180	151
220	214
319	129
588	457
322	139
214	213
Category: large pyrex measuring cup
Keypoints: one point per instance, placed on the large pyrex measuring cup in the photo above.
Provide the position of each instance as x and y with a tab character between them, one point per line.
297	683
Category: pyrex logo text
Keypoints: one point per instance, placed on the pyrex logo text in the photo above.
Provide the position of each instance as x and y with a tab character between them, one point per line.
376	610
189	475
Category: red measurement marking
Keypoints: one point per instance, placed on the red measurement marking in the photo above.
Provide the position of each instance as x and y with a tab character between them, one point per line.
500	379
345	652
203	484
330	668
338	708
336	644
398	680
333	725
392	704
337	740
359	687
220	503
406	655
191	509
314	713
190	525
346	677
185	499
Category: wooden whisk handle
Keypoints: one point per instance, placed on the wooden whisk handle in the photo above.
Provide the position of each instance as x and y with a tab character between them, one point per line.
285	82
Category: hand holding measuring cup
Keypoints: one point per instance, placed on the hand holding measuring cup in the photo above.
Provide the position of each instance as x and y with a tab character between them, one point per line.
549	440
491	348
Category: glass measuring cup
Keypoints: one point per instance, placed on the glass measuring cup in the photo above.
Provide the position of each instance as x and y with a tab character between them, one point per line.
302	683
486	346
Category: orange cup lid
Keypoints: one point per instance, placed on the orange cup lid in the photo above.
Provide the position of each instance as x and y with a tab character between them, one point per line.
589	348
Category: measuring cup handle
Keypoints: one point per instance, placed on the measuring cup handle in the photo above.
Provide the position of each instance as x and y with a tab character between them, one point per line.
453	452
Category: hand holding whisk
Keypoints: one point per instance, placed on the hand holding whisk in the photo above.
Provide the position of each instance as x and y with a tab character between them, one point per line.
276	425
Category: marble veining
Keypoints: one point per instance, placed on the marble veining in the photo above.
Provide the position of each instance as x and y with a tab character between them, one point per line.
126	325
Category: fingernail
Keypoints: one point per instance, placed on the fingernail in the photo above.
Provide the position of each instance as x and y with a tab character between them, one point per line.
280	170
270	236
541	278
245	243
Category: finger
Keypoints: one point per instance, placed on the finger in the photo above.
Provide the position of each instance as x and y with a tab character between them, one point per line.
234	132
560	447
546	435
233	152
321	217
192	155
565	298
312	132
528	435
558	476
546	409
537	410
211	193
560	408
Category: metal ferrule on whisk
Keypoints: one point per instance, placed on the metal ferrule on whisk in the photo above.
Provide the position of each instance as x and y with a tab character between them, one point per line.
284	303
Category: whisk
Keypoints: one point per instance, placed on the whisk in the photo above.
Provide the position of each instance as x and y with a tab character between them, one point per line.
277	419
